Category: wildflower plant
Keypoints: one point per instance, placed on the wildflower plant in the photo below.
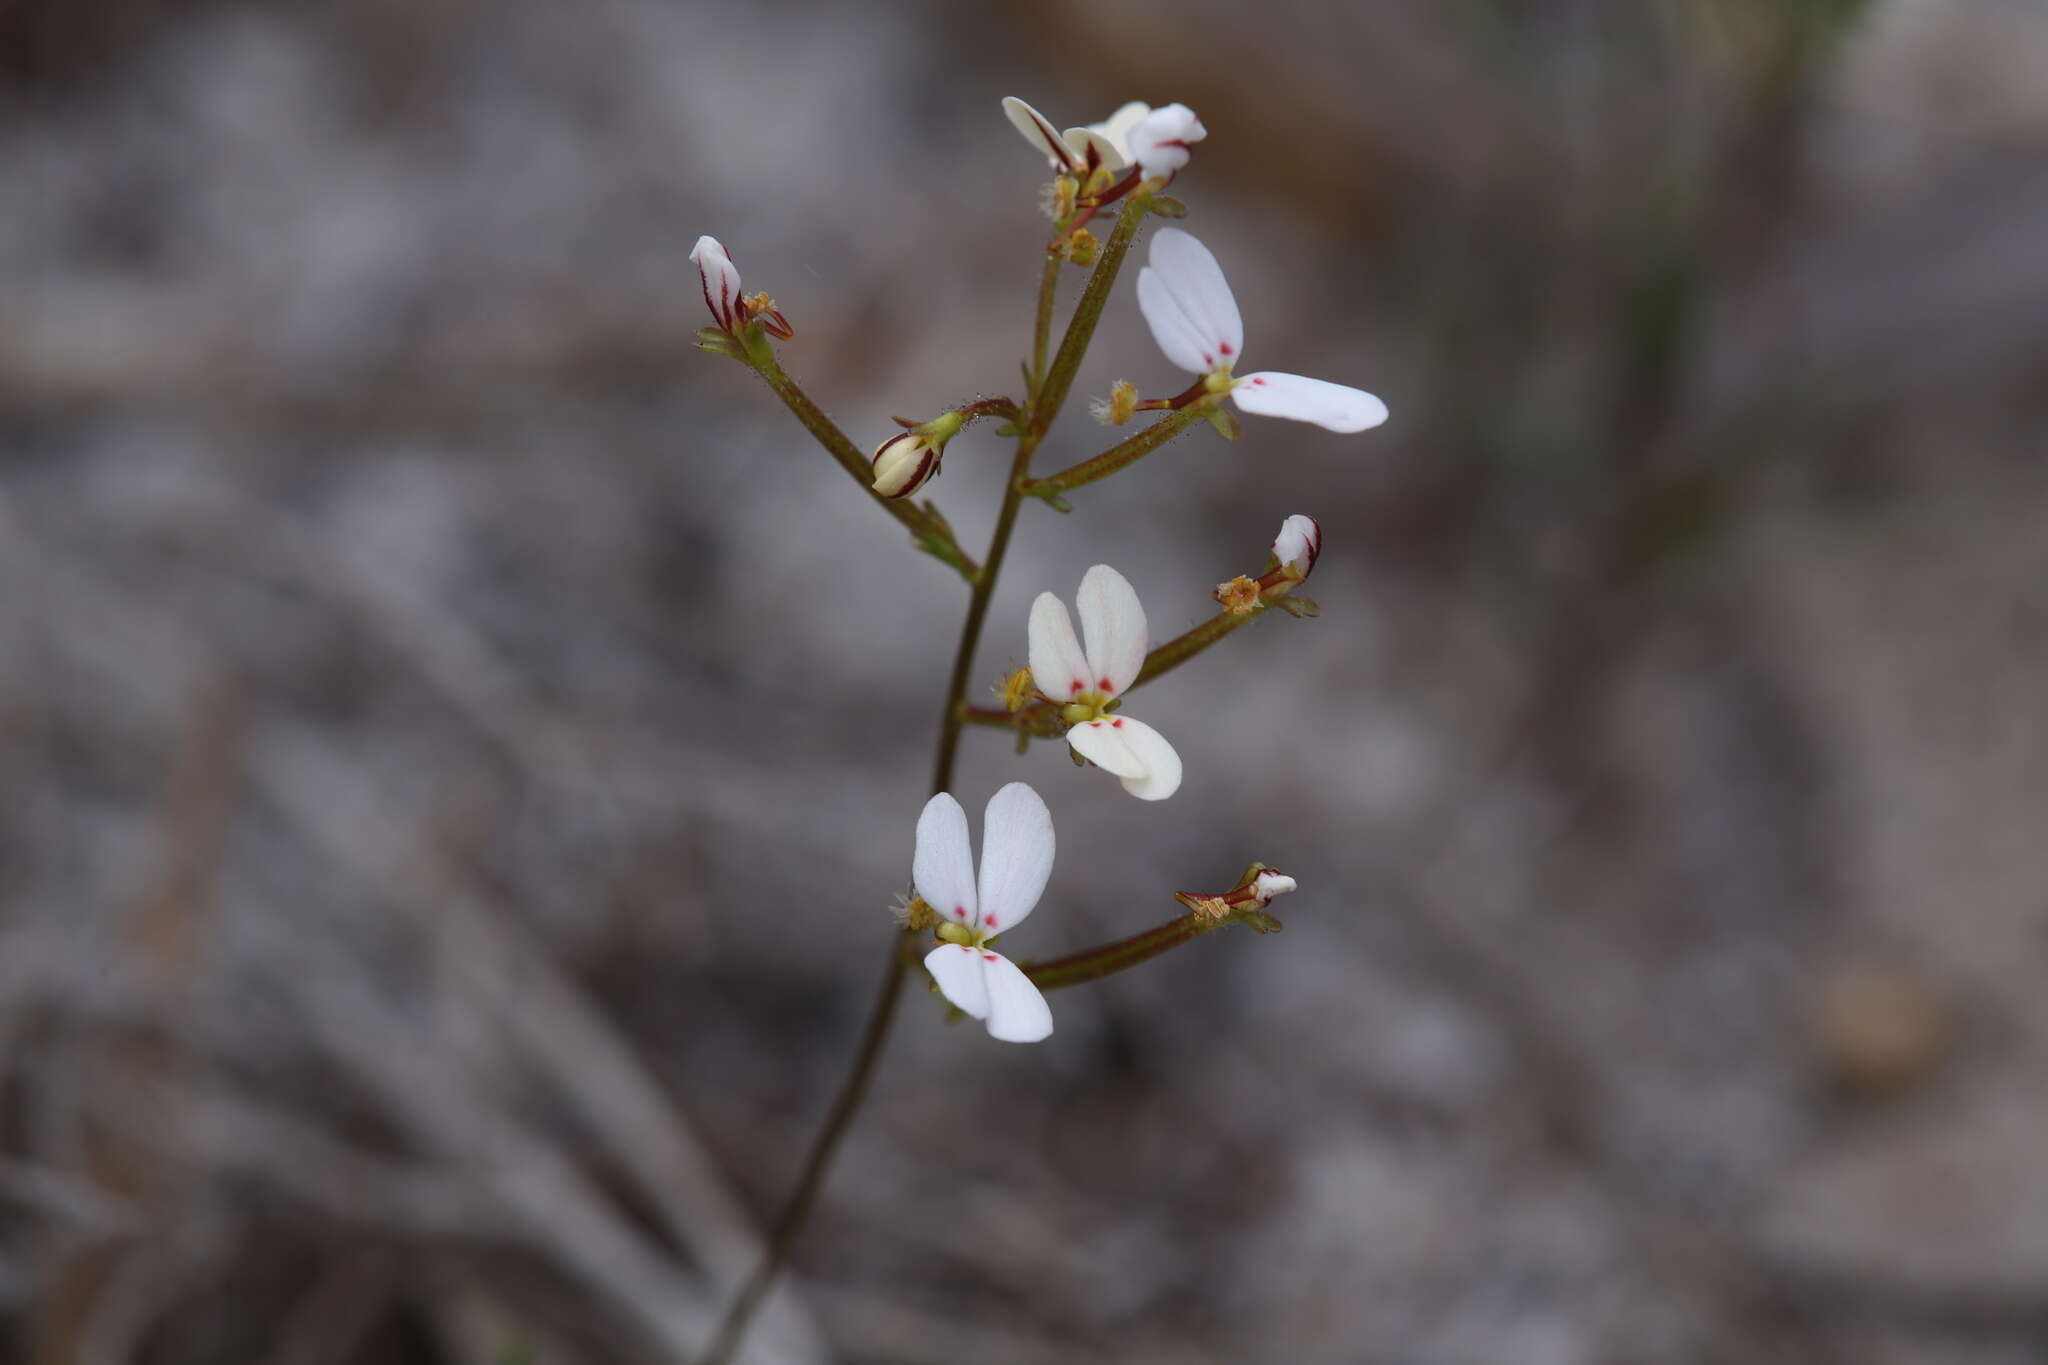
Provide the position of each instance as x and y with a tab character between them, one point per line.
1114	175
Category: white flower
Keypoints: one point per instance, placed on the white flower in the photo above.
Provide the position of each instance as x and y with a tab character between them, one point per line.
1016	859
720	278
1299	542
1159	141
1189	307
1086	681
1156	140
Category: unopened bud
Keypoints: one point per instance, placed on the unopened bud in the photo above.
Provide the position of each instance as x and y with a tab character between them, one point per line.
1296	547
720	279
1269	884
903	463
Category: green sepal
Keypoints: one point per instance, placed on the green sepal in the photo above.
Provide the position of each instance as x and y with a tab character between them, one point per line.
759	351
1257	919
1300	608
1226	423
719	342
1166	206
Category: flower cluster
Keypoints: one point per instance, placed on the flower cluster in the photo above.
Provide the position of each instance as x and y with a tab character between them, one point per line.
1077	682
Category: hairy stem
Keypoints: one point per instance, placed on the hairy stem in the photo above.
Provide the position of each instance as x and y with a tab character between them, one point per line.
927	531
1045	404
1041	334
1079	968
1189	643
1121	454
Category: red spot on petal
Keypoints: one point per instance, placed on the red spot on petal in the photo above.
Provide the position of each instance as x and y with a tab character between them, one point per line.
1078	685
1258	383
989	920
1225	348
1208	359
1117	724
960	911
988	957
1105	684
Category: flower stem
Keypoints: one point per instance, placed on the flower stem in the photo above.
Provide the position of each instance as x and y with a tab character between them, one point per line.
1041	334
797	1209
1079	968
1189	643
882	1014
927	531
1117	456
1045	404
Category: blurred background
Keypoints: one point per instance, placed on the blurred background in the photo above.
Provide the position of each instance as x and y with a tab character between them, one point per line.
458	741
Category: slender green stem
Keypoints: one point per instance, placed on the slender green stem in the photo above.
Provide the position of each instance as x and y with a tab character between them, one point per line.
854	1089
1041	334
1189	643
797	1209
1045	404
1079	968
1117	456
927	531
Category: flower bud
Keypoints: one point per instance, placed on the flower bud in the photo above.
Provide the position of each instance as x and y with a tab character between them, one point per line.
1159	141
1269	884
904	462
720	279
1296	547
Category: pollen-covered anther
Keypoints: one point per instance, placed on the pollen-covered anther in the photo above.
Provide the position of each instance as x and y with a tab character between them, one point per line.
1059	205
1083	247
914	912
1206	907
1239	597
760	308
1016	690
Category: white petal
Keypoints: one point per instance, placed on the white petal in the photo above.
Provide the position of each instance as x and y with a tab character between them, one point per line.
719	278
1117	127
962	976
1161	777
1335	407
1058	667
1159	141
1197	284
1016	856
1038	132
943	867
1178	337
1299	542
1106	153
1101	742
1017	1013
1112	629
1270	884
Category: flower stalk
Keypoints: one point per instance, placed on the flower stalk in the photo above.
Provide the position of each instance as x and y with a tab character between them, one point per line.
928	531
1120	455
1077	969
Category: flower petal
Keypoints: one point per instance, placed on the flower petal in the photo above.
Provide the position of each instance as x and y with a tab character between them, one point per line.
719	278
1159	141
1299	542
962	976
1016	856
1113	628
1058	667
1109	138
1161	777
1038	132
1335	407
1197	283
943	867
1178	337
1101	742
1017	1012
